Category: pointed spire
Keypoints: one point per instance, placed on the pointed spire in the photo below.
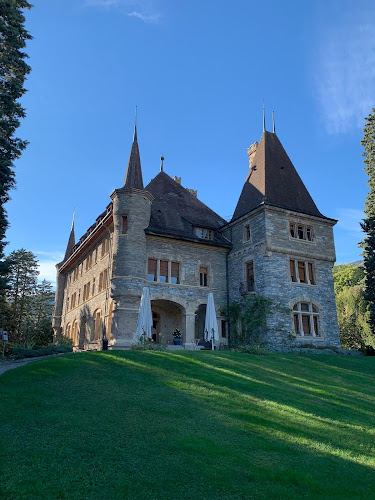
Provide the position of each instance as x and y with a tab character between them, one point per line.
133	176
161	163
135	127
264	119
71	242
273	123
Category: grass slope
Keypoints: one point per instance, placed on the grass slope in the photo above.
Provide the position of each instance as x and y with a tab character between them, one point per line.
199	425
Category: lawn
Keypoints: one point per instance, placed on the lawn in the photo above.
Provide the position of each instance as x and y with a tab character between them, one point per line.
179	425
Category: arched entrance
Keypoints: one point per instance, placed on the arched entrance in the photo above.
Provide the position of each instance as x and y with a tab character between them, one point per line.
167	316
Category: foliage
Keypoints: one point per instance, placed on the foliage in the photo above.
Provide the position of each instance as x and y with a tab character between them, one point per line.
188	425
148	346
30	304
20	352
177	334
63	340
352	313
247	319
13	71
256	347
368	224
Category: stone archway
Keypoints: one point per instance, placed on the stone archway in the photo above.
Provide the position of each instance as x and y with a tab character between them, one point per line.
168	316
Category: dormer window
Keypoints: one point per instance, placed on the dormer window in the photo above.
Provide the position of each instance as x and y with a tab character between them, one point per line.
203	233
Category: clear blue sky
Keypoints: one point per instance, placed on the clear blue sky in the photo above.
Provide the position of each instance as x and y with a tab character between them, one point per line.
198	71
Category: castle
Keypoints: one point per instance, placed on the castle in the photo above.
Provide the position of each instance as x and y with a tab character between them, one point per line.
277	245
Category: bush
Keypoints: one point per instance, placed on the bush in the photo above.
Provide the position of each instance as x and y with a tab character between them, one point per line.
256	347
148	346
18	352
64	341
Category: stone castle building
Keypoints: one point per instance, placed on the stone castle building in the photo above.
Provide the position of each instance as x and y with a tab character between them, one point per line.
277	245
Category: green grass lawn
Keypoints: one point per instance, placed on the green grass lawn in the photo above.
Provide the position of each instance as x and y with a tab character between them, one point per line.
199	425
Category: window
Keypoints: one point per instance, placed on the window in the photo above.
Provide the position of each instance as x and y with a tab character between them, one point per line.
306	319
175	273
75	273
300	231
163	278
89	262
205	234
67	304
81	268
86	291
223	329
93	287
75	332
203	273
103	277
250	276
302	272
151	272
105	247
96	256
247	233
79	296
73	301
97	325
68	331
124	224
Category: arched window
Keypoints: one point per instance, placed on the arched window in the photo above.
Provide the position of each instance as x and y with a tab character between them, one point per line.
68	330
97	325
75	332
306	319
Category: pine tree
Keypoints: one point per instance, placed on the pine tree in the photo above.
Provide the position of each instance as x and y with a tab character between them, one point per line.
13	71
368	224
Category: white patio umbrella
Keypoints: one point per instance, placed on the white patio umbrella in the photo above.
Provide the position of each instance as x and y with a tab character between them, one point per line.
211	331
144	324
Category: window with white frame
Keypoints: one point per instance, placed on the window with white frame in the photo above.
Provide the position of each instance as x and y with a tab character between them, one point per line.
306	319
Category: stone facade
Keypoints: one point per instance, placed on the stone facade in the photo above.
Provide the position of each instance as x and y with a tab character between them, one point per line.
100	281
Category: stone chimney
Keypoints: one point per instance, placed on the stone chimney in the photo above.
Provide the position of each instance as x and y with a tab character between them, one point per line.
177	179
194	192
251	153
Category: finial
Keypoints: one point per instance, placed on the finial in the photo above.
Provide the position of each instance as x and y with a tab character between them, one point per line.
161	163
135	126
273	123
74	212
264	119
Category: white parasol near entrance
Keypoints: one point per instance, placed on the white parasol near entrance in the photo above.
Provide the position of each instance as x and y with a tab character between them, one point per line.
211	331
144	324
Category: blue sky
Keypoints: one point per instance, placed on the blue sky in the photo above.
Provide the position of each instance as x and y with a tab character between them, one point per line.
198	70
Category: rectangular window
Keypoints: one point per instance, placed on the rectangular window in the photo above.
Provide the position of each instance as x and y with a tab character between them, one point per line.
124	224
93	287
250	276
247	232
205	234
79	296
293	271
308	233
301	272
89	262
292	229
175	273
67	304
311	273
105	247
163	277
86	291
315	319
301	231
223	329
96	256
151	272
73	301
203	272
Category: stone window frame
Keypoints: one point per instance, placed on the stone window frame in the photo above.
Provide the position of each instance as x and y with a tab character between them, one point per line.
97	327
124	224
169	272
206	274
245	291
306	226
68	330
103	281
75	332
247	233
86	291
309	300
306	262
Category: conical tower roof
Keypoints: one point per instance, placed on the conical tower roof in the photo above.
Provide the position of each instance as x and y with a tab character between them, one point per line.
273	180
133	176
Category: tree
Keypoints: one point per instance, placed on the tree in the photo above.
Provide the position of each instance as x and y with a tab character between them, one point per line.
13	71
23	274
368	224
42	312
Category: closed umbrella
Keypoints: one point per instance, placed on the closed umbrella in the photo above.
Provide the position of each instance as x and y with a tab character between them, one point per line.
144	324
211	331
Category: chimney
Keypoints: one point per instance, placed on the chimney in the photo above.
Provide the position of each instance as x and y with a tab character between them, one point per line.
177	179
251	153
193	192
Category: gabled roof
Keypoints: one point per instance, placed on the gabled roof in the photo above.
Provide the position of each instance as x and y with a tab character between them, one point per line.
176	212
273	180
133	176
71	243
